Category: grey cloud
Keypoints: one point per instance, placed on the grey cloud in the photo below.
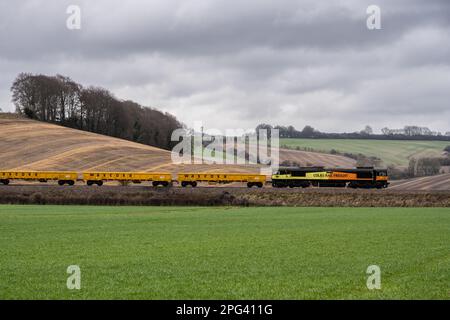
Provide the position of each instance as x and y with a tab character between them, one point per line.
115	28
240	63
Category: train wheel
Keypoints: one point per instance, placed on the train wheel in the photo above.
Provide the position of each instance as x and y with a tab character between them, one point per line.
259	185
99	183
249	184
183	184
61	182
90	182
71	182
194	184
165	183
5	181
278	185
155	183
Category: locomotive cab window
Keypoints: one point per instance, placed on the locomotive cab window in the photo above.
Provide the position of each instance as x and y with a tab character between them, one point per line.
364	174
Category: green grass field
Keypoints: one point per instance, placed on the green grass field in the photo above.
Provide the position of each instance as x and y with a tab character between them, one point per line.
223	253
396	152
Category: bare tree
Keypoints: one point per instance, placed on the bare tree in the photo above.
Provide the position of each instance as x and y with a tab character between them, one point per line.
61	100
367	130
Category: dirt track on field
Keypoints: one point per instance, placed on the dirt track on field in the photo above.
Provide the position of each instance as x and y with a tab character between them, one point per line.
208	196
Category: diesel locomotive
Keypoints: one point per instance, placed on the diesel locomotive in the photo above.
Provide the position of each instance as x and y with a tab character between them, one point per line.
360	177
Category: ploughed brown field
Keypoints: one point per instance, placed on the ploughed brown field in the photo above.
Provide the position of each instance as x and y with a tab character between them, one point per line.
439	182
33	145
306	158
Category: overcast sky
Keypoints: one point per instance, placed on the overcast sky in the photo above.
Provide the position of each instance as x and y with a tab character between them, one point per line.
234	64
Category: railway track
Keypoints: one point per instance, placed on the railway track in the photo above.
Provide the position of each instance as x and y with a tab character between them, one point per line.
207	196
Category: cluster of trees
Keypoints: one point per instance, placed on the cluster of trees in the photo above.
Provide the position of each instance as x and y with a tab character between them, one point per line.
424	167
421	167
407	133
290	131
59	99
412	131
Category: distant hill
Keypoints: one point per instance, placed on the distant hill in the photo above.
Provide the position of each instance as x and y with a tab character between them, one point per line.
306	158
391	152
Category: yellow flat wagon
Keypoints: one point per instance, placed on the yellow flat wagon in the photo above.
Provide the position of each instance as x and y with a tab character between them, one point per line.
192	178
157	178
63	177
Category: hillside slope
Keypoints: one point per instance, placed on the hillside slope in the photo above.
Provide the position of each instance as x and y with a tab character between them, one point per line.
438	182
306	158
32	145
392	152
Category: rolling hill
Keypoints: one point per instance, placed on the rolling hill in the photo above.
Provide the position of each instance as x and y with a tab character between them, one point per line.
33	145
306	158
392	152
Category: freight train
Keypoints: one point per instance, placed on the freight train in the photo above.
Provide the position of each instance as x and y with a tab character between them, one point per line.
361	177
